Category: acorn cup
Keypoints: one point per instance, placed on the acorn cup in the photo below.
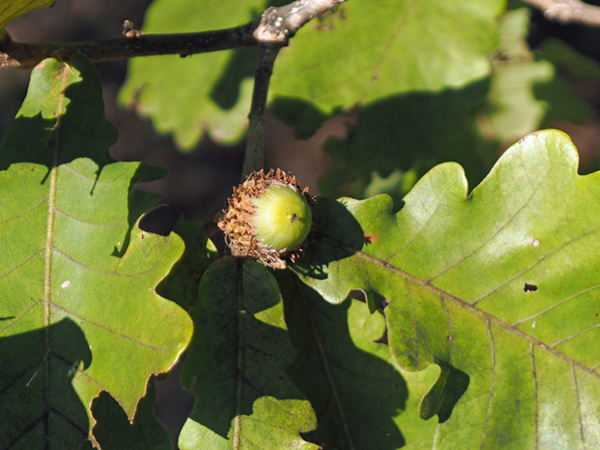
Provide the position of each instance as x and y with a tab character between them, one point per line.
268	218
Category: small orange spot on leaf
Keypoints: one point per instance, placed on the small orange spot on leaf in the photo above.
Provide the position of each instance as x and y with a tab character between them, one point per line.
370	238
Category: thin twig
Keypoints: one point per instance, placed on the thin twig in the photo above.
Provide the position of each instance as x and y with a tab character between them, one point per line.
254	155
276	27
25	55
568	11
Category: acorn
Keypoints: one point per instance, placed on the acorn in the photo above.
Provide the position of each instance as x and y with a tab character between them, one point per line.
268	218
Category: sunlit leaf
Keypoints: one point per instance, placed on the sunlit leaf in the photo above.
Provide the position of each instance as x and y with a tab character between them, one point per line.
500	286
78	310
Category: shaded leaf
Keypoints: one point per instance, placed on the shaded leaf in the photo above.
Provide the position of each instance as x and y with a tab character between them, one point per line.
236	365
181	285
77	302
401	132
11	9
333	62
114	431
573	73
367	333
200	93
356	395
335	235
458	272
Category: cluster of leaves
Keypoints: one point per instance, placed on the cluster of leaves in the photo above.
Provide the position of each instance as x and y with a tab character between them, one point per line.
481	308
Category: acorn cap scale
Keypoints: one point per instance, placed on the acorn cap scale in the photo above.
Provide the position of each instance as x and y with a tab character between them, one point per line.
268	218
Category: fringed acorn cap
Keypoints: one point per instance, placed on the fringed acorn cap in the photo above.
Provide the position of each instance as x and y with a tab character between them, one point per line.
268	218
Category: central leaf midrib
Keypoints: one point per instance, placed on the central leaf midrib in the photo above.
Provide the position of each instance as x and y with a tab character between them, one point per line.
48	248
327	367
237	426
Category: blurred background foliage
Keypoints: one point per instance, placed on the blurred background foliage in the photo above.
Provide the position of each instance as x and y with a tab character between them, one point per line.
355	109
359	111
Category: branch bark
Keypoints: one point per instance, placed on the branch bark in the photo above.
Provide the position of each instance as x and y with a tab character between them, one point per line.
276	27
274	31
25	55
255	143
568	11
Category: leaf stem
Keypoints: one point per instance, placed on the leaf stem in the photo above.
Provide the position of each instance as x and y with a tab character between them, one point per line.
254	155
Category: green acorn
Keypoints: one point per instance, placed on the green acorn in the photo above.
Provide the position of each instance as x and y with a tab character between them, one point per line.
268	218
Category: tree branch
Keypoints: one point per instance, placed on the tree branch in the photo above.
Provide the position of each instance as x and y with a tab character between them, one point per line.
15	54
276	27
255	143
568	11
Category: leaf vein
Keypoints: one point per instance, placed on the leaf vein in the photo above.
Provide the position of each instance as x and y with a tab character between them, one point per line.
22	263
99	224
27	211
106	272
104	327
541	259
575	335
492	375
535	394
578	399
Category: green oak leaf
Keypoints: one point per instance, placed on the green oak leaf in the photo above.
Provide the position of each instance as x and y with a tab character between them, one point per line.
499	286
181	285
359	396
11	9
360	53
78	309
200	93
364	52
532	89
236	365
114	431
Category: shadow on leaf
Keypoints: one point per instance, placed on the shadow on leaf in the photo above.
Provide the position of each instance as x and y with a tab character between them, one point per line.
235	357
355	395
113	430
336	235
44	135
451	384
408	131
37	401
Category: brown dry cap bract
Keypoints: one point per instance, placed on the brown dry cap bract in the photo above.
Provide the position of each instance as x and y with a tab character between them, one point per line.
236	221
